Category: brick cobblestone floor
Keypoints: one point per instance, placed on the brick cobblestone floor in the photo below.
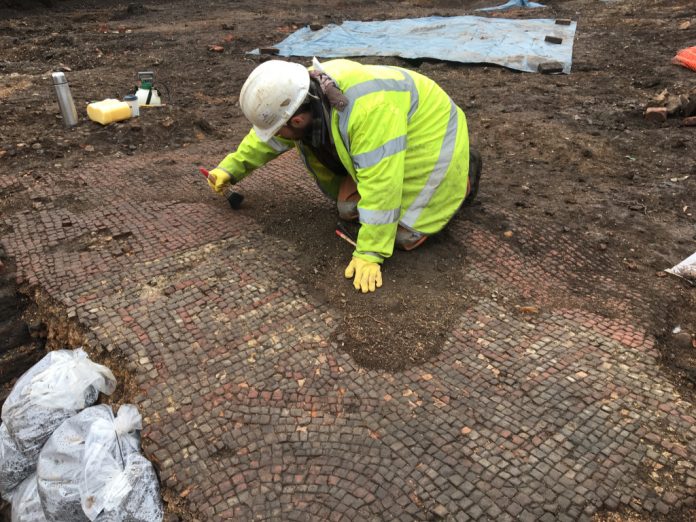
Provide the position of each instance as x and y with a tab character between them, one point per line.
547	416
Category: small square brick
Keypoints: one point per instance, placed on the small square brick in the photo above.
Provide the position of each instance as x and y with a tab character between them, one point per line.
441	511
670	498
514	509
474	512
656	114
494	512
526	516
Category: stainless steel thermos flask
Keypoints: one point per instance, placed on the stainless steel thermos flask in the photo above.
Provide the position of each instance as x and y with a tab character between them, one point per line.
65	99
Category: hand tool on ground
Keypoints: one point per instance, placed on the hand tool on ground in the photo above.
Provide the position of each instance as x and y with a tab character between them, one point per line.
233	198
343	234
346	238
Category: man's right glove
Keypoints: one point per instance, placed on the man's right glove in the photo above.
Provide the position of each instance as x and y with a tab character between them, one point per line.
368	276
217	179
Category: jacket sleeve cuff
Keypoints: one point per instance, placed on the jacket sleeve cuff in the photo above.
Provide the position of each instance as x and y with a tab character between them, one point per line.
370	257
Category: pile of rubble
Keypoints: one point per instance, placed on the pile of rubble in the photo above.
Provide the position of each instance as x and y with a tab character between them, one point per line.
666	105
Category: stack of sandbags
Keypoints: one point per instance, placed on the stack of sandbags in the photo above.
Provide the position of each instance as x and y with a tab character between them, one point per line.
64	460
91	469
57	387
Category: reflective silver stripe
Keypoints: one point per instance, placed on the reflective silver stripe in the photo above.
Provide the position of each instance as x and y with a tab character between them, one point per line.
277	145
371	86
437	175
412	89
373	254
379	217
372	158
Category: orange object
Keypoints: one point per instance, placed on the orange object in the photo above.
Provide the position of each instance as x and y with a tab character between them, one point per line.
686	57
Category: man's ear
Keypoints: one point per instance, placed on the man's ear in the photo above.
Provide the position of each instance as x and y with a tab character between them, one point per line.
301	120
296	121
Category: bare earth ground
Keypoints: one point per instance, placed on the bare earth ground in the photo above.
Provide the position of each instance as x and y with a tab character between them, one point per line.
569	152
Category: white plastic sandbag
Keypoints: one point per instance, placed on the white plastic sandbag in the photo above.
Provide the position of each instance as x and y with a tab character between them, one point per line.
60	465
54	389
14	466
686	269
132	496
118	484
26	506
91	469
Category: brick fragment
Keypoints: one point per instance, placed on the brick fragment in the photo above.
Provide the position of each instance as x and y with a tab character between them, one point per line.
550	68
656	114
553	39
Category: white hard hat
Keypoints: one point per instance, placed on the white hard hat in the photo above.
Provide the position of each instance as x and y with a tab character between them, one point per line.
271	95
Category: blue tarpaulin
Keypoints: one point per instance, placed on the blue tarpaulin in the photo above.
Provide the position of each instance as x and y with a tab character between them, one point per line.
517	44
511	4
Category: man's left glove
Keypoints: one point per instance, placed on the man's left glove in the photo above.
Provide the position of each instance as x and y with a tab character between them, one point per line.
368	276
217	179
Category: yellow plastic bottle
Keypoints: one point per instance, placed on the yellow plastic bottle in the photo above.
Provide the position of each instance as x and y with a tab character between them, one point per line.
108	111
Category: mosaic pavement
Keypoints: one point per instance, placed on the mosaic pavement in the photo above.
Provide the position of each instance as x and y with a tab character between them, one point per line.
551	416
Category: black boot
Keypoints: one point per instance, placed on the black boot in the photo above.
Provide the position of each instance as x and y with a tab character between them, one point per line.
475	166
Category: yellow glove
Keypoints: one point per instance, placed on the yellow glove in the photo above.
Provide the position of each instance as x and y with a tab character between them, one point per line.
368	276
217	179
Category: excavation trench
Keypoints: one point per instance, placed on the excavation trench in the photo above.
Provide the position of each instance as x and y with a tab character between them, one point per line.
32	324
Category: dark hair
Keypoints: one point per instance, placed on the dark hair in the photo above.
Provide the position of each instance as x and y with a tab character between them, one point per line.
305	107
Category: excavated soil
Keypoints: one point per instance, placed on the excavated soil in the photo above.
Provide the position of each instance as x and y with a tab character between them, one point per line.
569	153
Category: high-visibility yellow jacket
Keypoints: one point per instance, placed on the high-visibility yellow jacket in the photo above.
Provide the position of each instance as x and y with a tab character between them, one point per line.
403	141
